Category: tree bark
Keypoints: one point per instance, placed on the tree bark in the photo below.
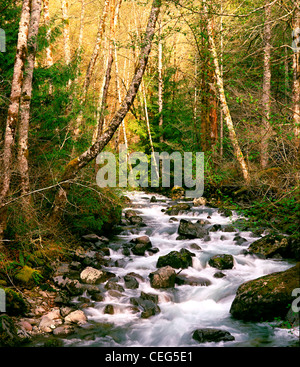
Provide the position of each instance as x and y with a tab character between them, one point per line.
74	166
296	74
49	56
266	96
160	87
95	53
66	30
13	110
26	98
227	116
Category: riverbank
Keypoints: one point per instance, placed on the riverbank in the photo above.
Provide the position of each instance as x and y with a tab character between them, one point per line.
100	291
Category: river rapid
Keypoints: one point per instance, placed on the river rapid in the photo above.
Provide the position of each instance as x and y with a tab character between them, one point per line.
185	307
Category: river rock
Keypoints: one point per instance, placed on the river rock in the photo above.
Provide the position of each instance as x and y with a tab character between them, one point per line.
183	279
191	230
63	330
266	297
274	245
225	212
76	317
131	282
212	335
50	321
177	260
147	302
110	285
142	244
163	278
109	309
221	262
175	209
91	275
199	201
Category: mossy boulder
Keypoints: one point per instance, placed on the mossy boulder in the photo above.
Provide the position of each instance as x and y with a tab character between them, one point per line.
177	260
221	262
276	245
267	297
15	303
177	208
27	277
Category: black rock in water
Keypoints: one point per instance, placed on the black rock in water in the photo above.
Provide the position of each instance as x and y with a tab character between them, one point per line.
212	335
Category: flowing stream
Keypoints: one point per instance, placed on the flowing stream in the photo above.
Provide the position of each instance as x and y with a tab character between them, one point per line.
184	308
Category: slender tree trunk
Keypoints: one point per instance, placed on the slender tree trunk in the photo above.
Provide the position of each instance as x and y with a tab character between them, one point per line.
119	95
221	71
266	96
13	110
95	54
148	126
74	166
49	56
26	98
160	87
227	116
66	30
296	74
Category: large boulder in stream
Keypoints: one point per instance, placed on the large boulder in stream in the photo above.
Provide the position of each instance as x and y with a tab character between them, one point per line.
191	230
276	245
163	278
177	260
267	297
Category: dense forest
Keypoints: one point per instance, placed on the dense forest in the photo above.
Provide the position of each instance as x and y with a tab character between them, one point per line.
81	77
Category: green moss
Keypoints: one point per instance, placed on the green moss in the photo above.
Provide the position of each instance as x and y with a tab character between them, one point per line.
28	276
15	303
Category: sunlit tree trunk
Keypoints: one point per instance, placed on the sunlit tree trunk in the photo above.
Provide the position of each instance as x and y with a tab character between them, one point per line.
266	95
296	73
13	111
66	30
74	166
95	54
227	116
49	55
26	99
160	86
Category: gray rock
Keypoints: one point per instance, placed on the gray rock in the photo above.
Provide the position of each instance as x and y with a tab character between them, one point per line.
191	230
212	335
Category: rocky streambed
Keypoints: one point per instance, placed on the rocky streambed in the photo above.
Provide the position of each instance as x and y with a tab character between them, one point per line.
176	274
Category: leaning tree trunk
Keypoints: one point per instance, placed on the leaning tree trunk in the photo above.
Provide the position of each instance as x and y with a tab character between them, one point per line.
66	30
26	98
74	166
226	113
266	128
13	111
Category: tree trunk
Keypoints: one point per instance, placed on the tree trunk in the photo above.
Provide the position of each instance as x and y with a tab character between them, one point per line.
66	30
296	74
227	116
13	110
74	166
49	56
160	87
95	53
26	98
266	96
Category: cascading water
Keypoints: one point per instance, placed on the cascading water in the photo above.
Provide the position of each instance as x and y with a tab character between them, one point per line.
185	307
